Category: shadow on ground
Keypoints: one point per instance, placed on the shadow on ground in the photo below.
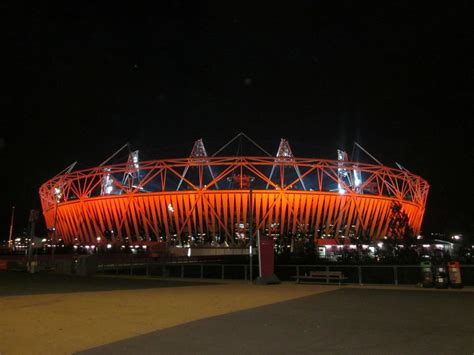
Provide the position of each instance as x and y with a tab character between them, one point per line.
346	321
19	283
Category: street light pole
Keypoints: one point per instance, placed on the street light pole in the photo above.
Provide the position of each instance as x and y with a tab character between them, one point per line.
32	219
251	234
53	236
10	241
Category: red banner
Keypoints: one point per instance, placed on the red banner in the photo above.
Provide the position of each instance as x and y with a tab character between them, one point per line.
265	256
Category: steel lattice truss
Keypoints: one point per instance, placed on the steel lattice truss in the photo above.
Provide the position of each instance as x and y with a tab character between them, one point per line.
212	199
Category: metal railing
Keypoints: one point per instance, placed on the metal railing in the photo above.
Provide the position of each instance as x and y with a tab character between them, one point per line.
355	274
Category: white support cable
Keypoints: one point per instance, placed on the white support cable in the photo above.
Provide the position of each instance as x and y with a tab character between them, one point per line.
226	145
113	155
182	178
212	175
299	176
366	152
271	174
401	167
67	170
257	145
58	190
241	134
377	161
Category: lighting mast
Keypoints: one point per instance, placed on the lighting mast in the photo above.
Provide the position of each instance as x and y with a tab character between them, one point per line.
10	241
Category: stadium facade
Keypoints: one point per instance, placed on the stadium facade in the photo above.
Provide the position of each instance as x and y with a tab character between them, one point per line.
213	200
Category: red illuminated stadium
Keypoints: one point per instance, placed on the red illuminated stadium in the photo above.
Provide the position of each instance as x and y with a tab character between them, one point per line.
210	200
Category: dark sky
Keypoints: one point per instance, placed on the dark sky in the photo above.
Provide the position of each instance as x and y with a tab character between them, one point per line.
86	77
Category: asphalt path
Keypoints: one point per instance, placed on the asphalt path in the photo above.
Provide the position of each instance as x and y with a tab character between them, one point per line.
346	321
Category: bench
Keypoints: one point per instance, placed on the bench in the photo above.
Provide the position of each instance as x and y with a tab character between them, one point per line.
321	276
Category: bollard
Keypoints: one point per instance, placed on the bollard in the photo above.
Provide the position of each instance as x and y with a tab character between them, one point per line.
359	269
395	275
222	272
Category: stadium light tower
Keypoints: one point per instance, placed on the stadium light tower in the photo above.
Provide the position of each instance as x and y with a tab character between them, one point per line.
284	154
198	155
132	174
341	170
107	182
357	178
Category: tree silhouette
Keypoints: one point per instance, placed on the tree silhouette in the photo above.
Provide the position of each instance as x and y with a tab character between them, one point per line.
399	227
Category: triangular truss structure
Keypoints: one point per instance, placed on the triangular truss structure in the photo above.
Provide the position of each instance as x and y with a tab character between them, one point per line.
284	154
225	215
130	179
198	155
58	190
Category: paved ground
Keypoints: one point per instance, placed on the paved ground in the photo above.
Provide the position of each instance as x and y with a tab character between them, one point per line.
345	321
82	313
22	283
53	314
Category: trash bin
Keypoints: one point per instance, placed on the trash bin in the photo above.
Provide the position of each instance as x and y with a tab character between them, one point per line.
426	274
454	272
441	276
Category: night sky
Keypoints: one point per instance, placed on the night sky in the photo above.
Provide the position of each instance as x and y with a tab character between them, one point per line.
84	78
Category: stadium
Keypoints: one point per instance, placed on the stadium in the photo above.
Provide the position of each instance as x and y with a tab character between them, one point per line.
221	200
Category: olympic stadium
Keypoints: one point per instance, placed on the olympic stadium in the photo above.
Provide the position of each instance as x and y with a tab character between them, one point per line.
219	200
